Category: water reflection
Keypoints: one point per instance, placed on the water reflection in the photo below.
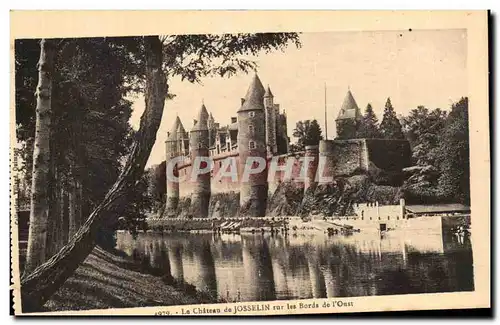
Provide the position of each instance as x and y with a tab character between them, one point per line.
264	267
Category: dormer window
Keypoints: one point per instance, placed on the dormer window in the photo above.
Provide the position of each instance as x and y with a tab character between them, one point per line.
251	145
251	114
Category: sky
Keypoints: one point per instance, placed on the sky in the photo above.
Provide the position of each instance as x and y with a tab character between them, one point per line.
424	67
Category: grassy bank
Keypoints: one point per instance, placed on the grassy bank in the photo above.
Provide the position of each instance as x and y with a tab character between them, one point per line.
105	280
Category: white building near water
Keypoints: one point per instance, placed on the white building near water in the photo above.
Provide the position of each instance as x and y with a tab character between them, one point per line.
433	217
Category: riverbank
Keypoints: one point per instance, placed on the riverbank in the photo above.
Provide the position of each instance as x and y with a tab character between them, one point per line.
105	280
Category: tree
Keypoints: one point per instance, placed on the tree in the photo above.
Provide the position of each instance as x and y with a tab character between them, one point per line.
191	57
423	128
157	184
454	181
90	80
368	127
308	133
390	127
39	210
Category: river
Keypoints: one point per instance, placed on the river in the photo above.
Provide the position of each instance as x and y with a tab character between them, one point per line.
256	267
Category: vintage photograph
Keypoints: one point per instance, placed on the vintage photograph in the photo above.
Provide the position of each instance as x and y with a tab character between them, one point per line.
225	171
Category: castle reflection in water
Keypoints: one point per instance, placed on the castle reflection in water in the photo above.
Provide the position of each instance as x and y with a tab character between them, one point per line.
264	267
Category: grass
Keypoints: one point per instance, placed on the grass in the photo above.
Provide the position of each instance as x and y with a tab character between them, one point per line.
105	280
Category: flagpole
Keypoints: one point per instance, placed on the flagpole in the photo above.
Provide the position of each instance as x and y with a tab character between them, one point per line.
326	119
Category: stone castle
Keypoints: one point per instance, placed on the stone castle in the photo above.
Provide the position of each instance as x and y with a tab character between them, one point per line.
259	130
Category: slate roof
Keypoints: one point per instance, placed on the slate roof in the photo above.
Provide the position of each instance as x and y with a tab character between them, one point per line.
201	124
437	208
268	92
173	132
254	99
349	108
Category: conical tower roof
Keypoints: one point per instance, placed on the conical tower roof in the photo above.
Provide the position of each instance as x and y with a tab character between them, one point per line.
349	108
201	123
181	131
268	93
172	136
254	99
204	111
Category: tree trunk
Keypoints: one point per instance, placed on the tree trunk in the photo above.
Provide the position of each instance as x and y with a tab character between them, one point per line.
38	286
39	209
53	231
73	205
63	217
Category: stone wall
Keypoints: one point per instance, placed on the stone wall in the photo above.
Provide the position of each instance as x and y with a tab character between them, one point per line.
343	158
349	156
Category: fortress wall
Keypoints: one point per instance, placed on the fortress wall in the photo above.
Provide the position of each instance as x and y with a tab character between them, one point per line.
389	155
348	156
186	186
280	176
225	184
343	157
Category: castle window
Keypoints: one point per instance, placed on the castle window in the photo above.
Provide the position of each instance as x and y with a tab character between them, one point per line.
200	145
251	114
251	145
251	129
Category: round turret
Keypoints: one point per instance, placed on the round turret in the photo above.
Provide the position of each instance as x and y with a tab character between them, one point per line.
251	146
172	151
270	122
312	153
200	197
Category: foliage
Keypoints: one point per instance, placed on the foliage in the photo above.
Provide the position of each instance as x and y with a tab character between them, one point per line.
157	183
294	148
390	127
308	133
193	57
93	78
368	127
453	154
422	129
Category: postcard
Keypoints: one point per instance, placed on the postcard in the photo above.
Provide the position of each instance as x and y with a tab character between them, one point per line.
238	163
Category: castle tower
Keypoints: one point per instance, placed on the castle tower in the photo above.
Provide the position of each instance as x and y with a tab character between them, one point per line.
270	122
172	151
349	117
252	143
312	153
200	197
211	130
182	140
327	158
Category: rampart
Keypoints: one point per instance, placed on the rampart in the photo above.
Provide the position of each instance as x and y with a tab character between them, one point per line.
341	158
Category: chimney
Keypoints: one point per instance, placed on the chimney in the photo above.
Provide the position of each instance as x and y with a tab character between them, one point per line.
234	119
242	101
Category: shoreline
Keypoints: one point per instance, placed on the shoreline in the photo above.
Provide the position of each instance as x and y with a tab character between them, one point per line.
105	280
